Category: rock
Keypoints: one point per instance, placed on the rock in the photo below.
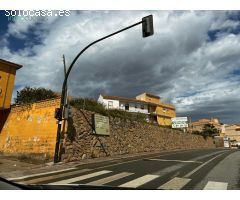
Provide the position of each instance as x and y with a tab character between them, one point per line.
126	137
84	156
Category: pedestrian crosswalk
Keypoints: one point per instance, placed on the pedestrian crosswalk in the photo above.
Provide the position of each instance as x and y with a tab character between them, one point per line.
52	177
80	178
212	185
175	184
107	177
139	181
110	178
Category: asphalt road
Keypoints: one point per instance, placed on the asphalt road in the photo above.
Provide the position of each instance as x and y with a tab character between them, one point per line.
187	170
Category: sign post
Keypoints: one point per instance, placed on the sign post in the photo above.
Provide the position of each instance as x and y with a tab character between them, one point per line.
180	122
226	141
101	124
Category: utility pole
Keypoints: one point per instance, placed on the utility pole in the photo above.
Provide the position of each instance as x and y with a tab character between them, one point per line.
64	109
65	73
147	30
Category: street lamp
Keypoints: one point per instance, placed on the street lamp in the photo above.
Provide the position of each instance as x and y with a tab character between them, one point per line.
147	30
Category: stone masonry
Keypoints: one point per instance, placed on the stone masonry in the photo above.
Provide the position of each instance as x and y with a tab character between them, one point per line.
126	138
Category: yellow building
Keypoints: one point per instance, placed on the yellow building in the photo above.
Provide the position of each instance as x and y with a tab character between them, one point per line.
163	111
199	125
28	129
7	77
232	131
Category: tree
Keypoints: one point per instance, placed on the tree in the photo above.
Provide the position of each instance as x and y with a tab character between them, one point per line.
31	95
209	130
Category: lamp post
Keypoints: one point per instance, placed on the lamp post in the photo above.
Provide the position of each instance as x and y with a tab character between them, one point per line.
147	30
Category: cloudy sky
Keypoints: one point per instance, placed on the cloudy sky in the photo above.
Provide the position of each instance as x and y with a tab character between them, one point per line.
192	60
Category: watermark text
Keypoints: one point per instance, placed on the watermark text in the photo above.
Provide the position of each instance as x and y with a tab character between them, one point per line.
34	15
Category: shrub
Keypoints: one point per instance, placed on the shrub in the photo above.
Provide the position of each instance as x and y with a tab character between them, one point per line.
30	95
94	106
88	104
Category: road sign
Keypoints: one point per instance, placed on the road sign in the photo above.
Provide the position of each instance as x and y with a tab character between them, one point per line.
179	122
101	124
226	141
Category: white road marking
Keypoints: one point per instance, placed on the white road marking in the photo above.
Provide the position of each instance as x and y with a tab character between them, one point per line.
212	185
40	174
80	178
138	159
202	165
69	184
175	184
52	177
110	178
183	161
169	169
208	155
139	181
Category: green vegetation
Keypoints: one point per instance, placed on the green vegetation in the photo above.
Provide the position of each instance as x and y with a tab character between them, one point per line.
94	106
30	95
88	104
209	130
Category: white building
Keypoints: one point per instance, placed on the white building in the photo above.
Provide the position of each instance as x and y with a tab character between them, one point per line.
128	104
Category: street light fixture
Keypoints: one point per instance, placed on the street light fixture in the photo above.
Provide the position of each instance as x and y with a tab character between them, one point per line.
147	30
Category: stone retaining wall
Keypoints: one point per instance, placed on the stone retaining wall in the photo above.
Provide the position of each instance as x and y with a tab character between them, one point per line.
126	138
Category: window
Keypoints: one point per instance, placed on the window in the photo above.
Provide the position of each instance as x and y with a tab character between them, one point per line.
127	106
110	104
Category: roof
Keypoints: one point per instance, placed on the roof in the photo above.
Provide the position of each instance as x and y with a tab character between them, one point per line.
17	66
137	101
152	95
229	125
125	99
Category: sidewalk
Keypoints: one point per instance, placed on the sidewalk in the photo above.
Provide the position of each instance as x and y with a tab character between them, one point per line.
231	165
12	167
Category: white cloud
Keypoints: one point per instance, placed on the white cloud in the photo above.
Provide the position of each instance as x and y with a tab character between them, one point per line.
179	62
228	24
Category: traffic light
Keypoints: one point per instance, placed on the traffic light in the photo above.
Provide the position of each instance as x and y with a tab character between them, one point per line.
58	114
147	26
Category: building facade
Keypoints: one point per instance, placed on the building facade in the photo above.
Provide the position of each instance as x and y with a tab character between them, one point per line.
198	125
7	77
145	103
232	131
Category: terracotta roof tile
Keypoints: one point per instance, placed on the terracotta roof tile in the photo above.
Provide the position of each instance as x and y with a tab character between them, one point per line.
152	95
10	63
125	99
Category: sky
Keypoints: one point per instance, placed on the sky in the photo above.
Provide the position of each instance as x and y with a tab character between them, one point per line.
192	60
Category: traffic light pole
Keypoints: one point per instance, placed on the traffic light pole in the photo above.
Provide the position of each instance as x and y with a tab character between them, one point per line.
63	94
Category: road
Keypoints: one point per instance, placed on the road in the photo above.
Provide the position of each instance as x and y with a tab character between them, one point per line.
187	170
